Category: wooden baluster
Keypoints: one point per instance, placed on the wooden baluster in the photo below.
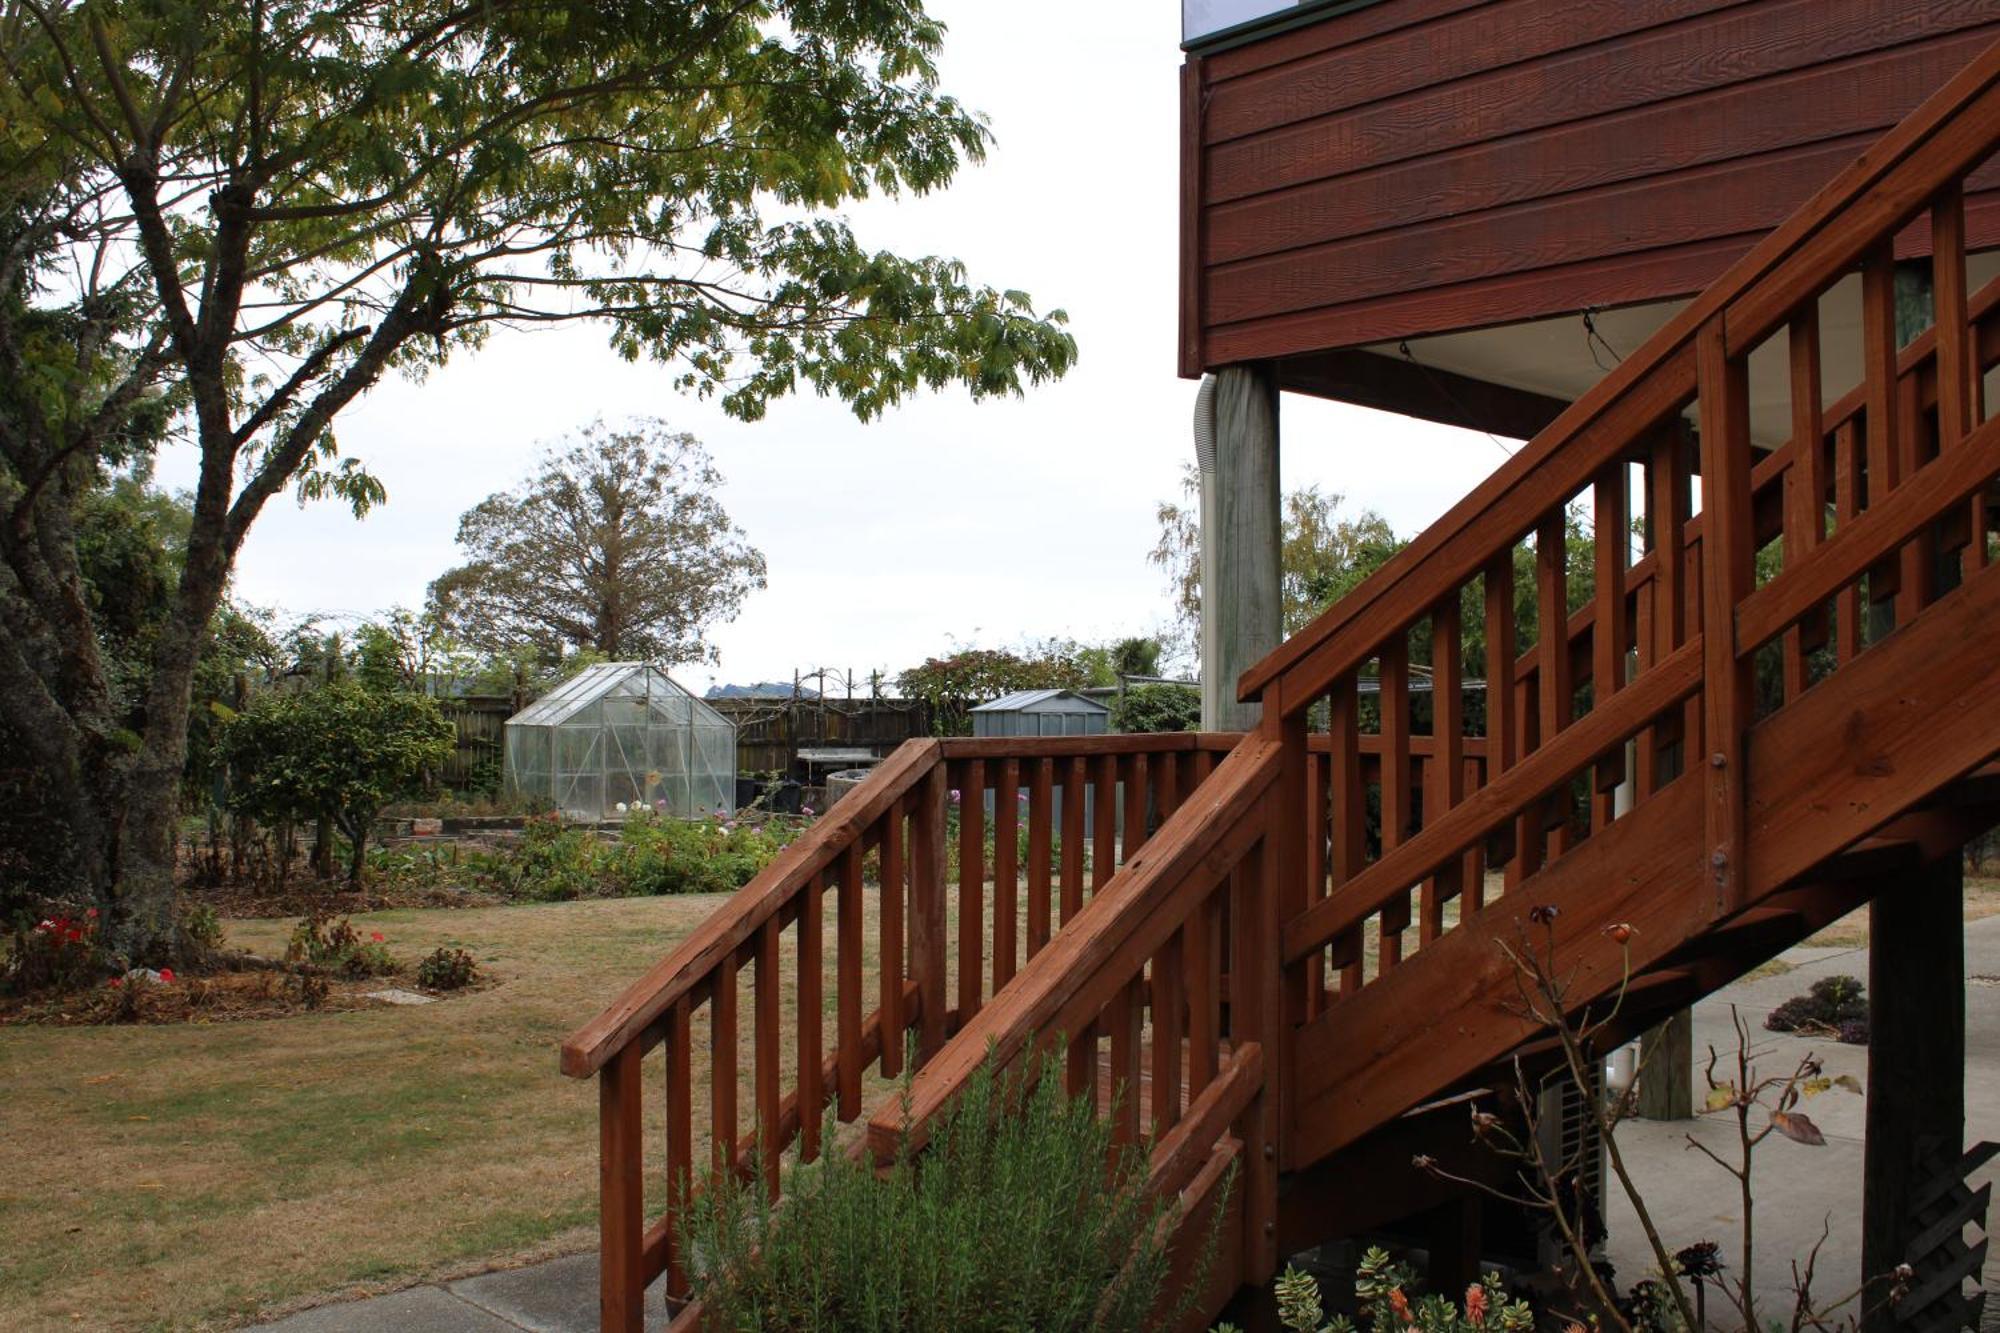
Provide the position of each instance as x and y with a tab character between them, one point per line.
1395	668
1805	489
1611	538
1447	765
1348	843
1846	508
1669	505
1503	740
1201	967
1200	764
1166	785
1080	1065
1878	359
1917	561
847	985
927	924
971	798
1957	371
722	1067
1137	786
680	1136
770	1145
1316	817
895	894
1472	897
1041	809
1168	997
1254	1015
812	1014
621	1191
1727	554
1103	822
1125	1018
1006	872
1074	833
1555	684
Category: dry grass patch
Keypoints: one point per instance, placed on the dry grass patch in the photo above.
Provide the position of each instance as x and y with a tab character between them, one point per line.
191	1176
1982	899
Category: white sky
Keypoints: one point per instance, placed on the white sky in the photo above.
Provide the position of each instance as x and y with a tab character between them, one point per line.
947	521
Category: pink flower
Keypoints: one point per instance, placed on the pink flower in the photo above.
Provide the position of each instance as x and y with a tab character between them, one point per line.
115	982
92	914
954	796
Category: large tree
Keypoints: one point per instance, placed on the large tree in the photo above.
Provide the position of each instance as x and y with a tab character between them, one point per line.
617	545
240	216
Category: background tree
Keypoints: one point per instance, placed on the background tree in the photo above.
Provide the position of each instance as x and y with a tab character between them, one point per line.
228	221
618	544
1157	708
335	752
950	685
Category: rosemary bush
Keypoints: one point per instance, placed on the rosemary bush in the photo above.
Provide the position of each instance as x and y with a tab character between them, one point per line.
1008	1220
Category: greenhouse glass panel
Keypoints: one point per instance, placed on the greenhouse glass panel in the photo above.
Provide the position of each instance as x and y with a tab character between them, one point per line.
619	736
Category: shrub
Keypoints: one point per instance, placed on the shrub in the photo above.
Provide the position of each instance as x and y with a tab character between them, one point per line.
202	928
57	952
1382	1287
658	855
1158	708
447	969
553	862
1834	1006
338	947
1009	1220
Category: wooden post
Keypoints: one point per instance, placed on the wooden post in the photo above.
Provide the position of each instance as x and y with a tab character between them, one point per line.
1666	1079
1916	1056
1242	526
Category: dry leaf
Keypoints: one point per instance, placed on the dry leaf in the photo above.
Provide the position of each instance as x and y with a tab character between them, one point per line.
1813	1087
1849	1082
1721	1097
1797	1126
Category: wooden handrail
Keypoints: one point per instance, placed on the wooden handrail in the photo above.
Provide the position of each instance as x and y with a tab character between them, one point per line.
1104	946
733	925
1647	387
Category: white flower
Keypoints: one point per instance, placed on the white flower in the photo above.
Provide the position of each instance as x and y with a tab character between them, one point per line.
621	807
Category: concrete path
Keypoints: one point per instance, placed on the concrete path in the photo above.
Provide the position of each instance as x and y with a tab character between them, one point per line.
559	1296
1798	1189
1691	1198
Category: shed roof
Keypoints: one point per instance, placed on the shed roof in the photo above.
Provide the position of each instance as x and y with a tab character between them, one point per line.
1042	701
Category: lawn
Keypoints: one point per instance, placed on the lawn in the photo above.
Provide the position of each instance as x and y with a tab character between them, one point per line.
192	1176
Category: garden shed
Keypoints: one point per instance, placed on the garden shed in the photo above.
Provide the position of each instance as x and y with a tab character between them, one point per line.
1041	713
622	734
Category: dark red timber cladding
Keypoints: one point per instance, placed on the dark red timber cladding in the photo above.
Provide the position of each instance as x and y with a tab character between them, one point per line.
1416	166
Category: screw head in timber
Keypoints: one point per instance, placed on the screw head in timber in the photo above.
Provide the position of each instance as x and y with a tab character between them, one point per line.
1719	859
1270	1228
1270	1152
1718	760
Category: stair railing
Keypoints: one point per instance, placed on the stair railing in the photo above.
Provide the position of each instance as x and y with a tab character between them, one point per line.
841	973
1406	804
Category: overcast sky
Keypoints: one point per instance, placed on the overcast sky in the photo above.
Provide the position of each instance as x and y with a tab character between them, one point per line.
947	521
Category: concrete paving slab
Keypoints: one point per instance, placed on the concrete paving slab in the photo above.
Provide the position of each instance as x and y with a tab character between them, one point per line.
559	1296
1797	1188
418	1310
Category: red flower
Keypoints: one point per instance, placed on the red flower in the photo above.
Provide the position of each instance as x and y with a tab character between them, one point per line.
375	935
167	975
115	982
1401	1305
1475	1303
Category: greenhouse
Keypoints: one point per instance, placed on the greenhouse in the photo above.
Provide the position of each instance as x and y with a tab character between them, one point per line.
622	736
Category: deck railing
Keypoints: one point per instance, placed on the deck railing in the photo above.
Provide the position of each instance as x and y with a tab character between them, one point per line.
892	919
1355	831
1820	524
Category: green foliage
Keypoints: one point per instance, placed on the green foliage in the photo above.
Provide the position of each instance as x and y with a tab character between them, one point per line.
618	545
338	751
1009	1220
447	969
1383	1289
555	861
1157	708
951	685
1833	1006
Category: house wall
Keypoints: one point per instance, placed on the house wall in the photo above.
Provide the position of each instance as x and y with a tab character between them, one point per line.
1418	166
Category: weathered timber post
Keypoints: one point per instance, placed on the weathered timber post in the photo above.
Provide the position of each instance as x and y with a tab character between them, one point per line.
1916	1058
1236	444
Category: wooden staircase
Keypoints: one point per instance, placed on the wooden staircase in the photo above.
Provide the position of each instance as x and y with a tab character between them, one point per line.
1286	942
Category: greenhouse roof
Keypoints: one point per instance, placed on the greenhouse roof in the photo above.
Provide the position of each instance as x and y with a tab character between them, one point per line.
640	680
